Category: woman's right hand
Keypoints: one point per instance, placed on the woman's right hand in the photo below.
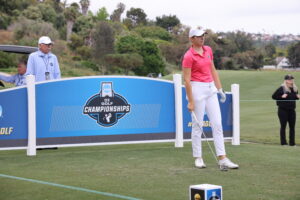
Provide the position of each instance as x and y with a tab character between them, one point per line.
284	96
191	106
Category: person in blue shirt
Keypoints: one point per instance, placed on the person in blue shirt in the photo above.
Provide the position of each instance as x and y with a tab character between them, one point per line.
43	64
17	79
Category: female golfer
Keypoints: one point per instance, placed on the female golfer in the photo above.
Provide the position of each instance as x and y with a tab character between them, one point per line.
286	95
202	84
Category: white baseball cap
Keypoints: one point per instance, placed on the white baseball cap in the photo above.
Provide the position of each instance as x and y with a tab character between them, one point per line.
196	32
45	40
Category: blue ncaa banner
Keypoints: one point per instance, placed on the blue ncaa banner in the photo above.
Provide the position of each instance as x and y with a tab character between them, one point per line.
98	109
13	117
105	109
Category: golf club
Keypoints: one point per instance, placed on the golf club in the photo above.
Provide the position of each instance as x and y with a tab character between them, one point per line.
222	167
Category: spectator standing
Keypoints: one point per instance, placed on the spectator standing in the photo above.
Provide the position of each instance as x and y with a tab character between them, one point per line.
286	96
43	64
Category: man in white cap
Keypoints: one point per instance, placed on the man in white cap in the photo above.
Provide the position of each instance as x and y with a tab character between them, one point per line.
42	63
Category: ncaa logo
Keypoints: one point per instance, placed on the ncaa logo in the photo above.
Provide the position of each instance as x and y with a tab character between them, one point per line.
107	107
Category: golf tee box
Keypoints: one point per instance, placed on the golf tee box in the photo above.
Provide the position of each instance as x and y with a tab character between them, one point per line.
205	192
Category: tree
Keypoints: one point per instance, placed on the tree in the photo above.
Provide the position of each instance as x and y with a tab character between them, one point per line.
270	50
9	7
249	59
102	14
258	59
153	62
75	41
173	53
102	44
119	28
7	60
5	20
242	41
294	55
212	40
167	22
135	17
180	34
77	46
154	32
116	15
129	44
58	6
60	21
228	63
33	12
103	40
27	31
123	63
83	26
84	6
84	52
71	13
48	13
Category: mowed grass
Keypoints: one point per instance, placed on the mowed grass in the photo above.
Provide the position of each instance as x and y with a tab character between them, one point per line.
159	171
258	112
150	171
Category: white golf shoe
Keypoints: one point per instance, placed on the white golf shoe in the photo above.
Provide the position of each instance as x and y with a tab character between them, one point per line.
228	164
199	163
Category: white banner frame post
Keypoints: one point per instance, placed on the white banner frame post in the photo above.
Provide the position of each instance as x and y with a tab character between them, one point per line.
235	89
178	110
31	148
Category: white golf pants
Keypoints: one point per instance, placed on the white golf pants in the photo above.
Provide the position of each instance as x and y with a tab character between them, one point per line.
206	99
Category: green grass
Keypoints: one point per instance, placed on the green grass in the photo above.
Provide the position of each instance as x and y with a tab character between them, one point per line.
258	114
150	171
160	171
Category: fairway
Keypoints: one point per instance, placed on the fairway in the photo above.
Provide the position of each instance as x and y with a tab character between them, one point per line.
148	171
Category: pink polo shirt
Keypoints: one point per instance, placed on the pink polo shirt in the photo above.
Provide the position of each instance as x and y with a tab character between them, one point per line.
200	65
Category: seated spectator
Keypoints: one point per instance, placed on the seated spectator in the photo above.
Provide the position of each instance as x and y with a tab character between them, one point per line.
19	78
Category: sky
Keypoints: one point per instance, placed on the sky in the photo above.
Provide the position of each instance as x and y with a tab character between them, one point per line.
252	16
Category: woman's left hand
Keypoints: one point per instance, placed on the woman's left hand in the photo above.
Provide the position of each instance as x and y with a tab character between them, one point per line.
223	95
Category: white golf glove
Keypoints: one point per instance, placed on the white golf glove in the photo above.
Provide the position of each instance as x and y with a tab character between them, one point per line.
222	94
